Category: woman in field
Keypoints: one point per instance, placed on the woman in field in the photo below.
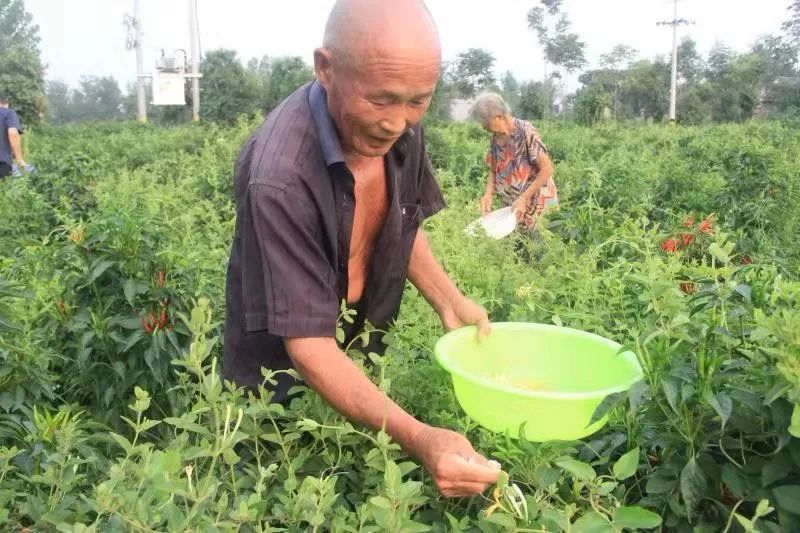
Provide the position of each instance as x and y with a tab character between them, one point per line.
520	171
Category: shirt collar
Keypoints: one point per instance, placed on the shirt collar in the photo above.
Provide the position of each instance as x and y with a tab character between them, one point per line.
328	136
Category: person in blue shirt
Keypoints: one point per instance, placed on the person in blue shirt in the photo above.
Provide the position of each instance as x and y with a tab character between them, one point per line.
10	139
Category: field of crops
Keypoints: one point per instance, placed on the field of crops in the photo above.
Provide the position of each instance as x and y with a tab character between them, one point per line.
682	244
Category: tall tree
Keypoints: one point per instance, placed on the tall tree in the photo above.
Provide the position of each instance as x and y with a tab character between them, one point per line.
57	99
780	57
97	98
509	85
228	89
21	78
279	77
619	57
17	27
645	90
690	61
719	61
610	80
562	48
792	26
532	101
473	71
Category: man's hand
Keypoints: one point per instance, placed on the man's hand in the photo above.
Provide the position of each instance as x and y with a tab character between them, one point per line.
465	312
486	203
457	469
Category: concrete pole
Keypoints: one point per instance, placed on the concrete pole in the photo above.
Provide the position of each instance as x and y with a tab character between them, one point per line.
141	114
195	60
673	102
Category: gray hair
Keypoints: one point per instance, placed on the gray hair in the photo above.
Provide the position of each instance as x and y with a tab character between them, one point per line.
488	106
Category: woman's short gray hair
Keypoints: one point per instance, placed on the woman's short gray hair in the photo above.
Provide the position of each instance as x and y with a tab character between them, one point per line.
488	106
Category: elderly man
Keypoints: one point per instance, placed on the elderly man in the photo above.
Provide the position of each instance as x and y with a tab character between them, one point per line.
10	142
331	191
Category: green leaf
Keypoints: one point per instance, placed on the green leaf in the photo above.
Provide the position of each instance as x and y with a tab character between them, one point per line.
381	502
636	395
776	469
719	254
592	522
626	466
180	423
670	387
693	485
149	424
788	498
230	456
544	476
636	518
578	469
503	520
129	288
732	478
745	290
608	403
763	509
124	443
723	405
97	270
794	427
744	522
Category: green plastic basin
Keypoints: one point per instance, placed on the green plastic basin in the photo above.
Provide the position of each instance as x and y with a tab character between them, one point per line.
549	378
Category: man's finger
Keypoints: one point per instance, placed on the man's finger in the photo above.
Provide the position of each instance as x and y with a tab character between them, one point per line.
463	490
471	471
484	327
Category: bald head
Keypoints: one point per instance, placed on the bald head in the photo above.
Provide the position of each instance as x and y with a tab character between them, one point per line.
379	64
357	28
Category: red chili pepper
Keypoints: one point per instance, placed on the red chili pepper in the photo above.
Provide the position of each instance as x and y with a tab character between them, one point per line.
687	239
746	260
162	320
146	325
160	279
669	246
688	287
706	227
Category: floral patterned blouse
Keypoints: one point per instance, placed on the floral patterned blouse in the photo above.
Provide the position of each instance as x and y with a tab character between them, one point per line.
514	160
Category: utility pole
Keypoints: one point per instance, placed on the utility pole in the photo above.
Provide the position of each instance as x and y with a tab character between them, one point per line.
195	60
675	22
141	114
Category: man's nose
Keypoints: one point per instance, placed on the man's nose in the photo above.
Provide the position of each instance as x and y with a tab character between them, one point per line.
395	122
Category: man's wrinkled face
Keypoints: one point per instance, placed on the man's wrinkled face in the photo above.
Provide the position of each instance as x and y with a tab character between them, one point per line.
376	100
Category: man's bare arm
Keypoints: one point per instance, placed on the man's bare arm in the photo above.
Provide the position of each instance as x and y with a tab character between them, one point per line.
328	370
456	468
428	276
15	140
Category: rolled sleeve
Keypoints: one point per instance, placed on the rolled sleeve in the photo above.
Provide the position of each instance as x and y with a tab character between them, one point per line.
298	280
12	121
430	194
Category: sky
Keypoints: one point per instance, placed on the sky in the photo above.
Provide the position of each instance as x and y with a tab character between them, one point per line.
87	37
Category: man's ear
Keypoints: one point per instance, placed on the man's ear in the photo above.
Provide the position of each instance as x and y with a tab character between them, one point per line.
323	66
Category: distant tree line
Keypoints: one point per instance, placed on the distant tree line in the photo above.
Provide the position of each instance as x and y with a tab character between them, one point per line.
722	86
